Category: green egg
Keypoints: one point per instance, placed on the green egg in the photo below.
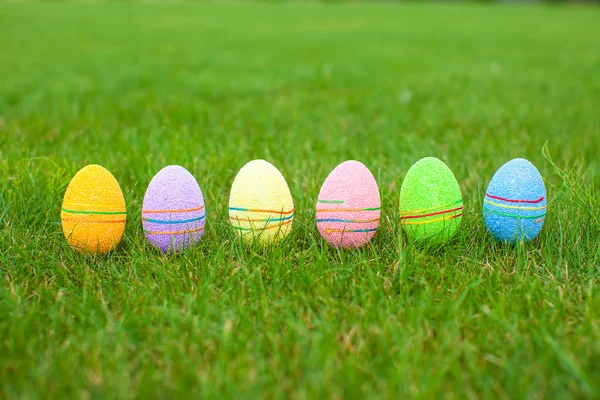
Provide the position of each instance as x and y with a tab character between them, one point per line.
431	204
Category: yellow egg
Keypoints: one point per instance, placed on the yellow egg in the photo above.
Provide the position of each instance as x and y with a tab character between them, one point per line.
93	210
260	205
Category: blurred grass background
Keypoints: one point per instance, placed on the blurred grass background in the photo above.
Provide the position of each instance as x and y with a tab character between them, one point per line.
137	86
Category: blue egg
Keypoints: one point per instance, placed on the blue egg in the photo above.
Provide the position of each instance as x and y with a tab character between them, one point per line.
514	206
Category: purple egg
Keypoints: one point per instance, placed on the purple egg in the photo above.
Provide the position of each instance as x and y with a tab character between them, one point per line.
173	213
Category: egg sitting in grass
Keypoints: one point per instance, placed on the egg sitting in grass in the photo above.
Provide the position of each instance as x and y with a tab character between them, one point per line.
349	206
430	202
173	213
93	213
514	206
261	208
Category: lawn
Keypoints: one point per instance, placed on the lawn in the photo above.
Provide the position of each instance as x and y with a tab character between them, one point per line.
209	86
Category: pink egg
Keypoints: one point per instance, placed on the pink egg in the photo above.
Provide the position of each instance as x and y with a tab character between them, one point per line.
349	206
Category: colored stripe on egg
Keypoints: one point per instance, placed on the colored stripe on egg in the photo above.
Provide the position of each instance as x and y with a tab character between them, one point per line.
406	217
513	215
514	207
260	210
261	219
172	211
94	221
349	209
537	218
514	200
94	212
430	221
431	214
174	232
330	201
348	220
331	230
174	221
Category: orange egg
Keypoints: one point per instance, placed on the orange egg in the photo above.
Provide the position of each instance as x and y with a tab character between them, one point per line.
93	211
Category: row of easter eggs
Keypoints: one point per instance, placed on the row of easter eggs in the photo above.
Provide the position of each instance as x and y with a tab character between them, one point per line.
261	208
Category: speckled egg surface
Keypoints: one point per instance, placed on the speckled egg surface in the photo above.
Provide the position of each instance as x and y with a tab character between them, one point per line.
173	212
93	213
349	206
514	207
430	202
261	208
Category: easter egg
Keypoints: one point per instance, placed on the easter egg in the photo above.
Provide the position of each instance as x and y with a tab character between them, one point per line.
514	206
261	208
173	212
349	206
93	211
431	205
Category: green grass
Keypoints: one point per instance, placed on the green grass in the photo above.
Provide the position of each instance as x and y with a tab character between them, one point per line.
210	86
